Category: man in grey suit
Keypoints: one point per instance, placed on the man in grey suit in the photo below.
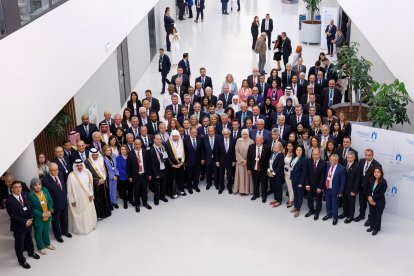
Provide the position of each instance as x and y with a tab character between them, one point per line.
299	67
339	41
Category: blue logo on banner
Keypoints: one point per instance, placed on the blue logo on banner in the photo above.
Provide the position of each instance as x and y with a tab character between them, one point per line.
394	190
374	135
398	157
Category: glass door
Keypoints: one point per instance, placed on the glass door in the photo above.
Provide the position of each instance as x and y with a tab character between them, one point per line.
123	71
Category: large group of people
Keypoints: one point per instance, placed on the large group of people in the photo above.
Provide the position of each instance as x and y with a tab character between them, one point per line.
256	139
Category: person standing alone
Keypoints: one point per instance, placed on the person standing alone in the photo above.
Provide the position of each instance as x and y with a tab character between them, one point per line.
330	32
267	27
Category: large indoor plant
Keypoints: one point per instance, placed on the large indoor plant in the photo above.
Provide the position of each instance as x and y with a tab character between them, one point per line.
311	28
388	104
357	69
56	127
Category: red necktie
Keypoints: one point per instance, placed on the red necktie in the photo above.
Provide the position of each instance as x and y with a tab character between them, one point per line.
58	183
329	179
139	163
258	159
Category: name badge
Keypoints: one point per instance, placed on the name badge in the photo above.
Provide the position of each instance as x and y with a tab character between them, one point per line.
164	155
42	202
24	208
257	159
148	148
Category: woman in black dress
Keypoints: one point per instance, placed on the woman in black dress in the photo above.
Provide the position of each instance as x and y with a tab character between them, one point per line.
277	48
254	29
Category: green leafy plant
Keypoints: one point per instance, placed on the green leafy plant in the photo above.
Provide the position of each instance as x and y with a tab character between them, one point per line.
357	69
388	104
313	7
56	127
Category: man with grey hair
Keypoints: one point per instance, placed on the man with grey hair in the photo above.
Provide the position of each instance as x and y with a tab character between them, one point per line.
97	142
260	49
129	137
226	160
107	118
257	162
334	185
261	131
225	96
253	79
324	137
209	156
134	129
287	75
353	180
284	129
143	118
224	124
117	124
298	117
208	92
243	114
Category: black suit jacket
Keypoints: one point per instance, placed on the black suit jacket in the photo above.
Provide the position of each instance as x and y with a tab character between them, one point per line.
314	71
170	107
330	73
149	144
131	106
337	97
340	152
285	80
18	216
132	164
65	170
193	156
315	178
223	99
353	178
262	28
164	65
318	109
150	127
155	163
213	100
168	23
378	195
113	127
249	114
366	179
208	154
304	99
277	167
154	105
207	82
250	80
75	155
319	87
264	158
287	48
186	67
59	196
81	130
184	78
293	121
226	158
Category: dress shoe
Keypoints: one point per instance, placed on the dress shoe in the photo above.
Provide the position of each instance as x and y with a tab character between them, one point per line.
254	197
59	239
190	192
316	217
156	203
308	214
163	92
116	206
51	247
289	204
208	187
370	229
146	205
197	190
34	256
202	178
335	222
125	205
220	191
132	203
358	218
202	20
326	218
137	209
217	187
341	216
264	200
164	199
366	224
348	220
230	191
196	21
374	232
25	265
42	251
293	210
296	214
68	235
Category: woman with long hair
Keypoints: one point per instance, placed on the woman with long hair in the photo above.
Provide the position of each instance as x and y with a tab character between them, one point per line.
42	165
254	29
274	76
168	115
376	200
173	125
297	175
330	118
125	187
231	83
112	171
297	55
120	136
274	93
231	113
134	104
175	46
329	150
244	92
126	117
277	49
289	152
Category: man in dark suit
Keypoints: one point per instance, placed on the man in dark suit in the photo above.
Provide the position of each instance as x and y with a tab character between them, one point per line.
185	64
209	156
117	124
107	118
324	137
343	150
6	182
193	146
159	159
139	173
330	32
306	97
330	96
181	9
180	75
174	106
226	96
134	129
329	71
320	83
200	5
86	129
154	103
97	142
63	162
334	185
257	162
353	178
263	86
208	92
226	160
315	69
168	24
55	182
253	79
299	117
287	76
284	129
339	41
243	114
260	131
67	148
164	66
235	129
267	27
204	79
312	104
366	166
315	170
286	48
153	124
20	210
299	67
81	153
146	140
302	84
180	89
223	124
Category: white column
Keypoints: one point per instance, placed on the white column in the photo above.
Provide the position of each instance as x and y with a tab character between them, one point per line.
25	167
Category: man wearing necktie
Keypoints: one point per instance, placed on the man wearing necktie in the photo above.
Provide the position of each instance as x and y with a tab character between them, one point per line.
267	27
351	187
164	66
193	154
330	96
209	156
158	161
226	160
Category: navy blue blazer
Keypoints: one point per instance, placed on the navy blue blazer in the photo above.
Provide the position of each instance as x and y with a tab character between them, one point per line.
332	33
164	65
149	144
259	99
201	132
223	99
18	216
207	82
219	128
338	179
267	136
286	131
298	173
239	115
193	156
261	91
59	196
378	195
208	154
315	178
186	69
225	159
277	167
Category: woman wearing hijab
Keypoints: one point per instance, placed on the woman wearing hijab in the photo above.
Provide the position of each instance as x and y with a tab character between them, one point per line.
176	158
82	214
96	165
235	103
243	182
266	110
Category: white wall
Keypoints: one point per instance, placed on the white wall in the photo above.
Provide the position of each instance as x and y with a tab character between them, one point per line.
103	87
138	51
25	167
48	61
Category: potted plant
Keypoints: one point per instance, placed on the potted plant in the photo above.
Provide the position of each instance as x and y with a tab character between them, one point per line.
56	127
356	69
388	104
311	29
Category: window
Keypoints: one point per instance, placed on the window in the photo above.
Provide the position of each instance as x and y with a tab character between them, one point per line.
30	9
